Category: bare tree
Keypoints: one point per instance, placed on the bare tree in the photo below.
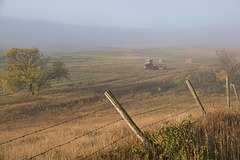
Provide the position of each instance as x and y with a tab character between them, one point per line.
228	62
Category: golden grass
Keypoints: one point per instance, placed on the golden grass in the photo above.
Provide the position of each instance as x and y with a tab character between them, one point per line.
32	145
93	74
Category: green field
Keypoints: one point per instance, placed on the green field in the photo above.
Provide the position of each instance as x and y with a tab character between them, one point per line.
116	68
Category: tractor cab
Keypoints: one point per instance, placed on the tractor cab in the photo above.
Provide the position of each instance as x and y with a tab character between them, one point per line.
148	65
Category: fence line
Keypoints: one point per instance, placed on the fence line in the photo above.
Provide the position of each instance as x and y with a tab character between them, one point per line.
67	121
61	123
145	127
99	129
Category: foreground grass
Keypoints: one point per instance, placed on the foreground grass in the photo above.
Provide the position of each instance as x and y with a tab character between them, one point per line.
34	116
215	137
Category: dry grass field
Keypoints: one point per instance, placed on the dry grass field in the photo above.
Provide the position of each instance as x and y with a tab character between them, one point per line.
79	106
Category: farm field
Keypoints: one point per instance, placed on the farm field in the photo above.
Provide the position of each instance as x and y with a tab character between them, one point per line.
78	106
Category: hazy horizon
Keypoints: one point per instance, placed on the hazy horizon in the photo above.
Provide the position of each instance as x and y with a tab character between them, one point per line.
94	24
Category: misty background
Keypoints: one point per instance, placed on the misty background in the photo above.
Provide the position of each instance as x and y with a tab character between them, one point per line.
79	24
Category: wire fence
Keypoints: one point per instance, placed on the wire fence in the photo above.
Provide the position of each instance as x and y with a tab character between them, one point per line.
160	107
76	118
111	123
108	124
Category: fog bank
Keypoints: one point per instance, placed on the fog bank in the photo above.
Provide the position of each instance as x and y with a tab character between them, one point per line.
49	35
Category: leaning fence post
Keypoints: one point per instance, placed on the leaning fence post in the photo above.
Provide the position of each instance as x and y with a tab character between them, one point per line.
228	92
195	97
128	120
235	91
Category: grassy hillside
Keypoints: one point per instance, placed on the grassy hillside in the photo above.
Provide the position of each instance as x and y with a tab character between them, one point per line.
76	111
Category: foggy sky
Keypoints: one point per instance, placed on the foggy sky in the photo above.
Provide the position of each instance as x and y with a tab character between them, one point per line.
109	23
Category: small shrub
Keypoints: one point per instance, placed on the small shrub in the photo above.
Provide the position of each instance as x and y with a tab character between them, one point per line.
172	142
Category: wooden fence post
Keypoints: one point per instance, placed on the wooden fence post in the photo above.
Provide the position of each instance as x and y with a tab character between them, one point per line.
228	92
235	91
129	121
197	100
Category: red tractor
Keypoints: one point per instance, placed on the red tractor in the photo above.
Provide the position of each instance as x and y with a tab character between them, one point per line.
149	66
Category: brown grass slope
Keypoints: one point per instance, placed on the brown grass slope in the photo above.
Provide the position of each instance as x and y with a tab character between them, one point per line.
215	137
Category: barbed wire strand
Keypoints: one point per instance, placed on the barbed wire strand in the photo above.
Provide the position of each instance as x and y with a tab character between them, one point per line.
52	126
